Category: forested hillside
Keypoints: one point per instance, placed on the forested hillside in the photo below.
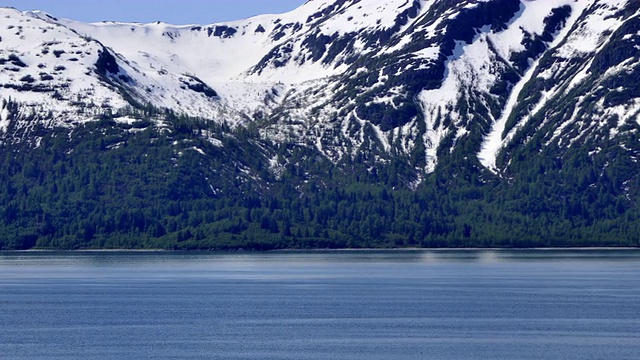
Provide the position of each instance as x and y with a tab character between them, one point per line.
343	123
133	185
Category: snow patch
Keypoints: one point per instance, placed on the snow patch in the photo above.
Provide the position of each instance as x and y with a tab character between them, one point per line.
198	150
125	120
494	141
468	69
4	116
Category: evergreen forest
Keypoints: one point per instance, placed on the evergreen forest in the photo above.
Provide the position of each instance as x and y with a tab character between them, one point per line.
167	185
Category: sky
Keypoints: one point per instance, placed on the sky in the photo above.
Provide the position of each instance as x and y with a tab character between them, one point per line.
179	12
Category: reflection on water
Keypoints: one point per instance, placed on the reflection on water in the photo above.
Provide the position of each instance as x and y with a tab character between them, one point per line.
413	304
145	259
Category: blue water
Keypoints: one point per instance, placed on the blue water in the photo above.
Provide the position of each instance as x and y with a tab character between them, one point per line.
322	305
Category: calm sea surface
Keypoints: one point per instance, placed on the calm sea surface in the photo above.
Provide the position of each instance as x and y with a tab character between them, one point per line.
321	305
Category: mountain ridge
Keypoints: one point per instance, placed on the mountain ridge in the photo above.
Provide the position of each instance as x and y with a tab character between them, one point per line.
257	70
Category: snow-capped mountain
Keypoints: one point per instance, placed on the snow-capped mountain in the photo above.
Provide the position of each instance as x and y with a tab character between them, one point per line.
425	80
344	123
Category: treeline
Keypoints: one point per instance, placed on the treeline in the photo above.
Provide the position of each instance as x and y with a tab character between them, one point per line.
206	186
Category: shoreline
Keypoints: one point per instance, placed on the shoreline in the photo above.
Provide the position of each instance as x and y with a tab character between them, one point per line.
580	248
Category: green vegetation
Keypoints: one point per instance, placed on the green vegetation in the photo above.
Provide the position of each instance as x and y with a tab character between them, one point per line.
114	185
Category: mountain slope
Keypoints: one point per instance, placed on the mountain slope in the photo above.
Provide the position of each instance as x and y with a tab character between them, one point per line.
413	77
592	66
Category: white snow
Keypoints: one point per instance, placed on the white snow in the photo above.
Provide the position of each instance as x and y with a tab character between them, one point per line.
495	141
404	41
165	61
161	53
125	120
592	32
198	150
472	68
469	69
531	20
428	53
365	14
57	63
4	116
